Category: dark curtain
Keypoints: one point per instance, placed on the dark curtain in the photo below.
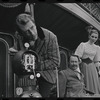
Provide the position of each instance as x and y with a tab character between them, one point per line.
8	17
69	29
2	70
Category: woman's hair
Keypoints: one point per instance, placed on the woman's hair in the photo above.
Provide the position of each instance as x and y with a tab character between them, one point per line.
91	29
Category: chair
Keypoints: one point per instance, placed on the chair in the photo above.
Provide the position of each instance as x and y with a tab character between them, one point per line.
64	57
6	74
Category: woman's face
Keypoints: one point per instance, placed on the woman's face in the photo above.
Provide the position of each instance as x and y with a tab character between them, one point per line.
93	37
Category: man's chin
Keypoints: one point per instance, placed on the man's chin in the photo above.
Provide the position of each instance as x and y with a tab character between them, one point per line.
74	68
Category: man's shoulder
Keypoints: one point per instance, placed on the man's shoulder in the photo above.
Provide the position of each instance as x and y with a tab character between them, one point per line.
66	71
48	33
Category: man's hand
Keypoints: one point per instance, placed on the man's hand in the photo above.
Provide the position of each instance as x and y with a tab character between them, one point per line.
13	50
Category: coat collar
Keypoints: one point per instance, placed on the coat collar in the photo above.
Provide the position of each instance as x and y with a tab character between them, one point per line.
72	71
40	32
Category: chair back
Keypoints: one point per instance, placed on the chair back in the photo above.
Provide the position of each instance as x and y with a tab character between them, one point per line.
64	57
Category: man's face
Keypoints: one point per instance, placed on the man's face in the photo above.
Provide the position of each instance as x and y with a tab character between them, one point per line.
74	63
29	31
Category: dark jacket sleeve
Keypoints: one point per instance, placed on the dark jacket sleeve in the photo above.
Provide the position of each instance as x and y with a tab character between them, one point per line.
52	59
62	84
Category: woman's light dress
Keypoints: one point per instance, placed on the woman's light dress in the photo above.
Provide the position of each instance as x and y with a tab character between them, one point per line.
91	80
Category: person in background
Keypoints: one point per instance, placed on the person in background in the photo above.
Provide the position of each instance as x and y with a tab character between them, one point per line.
71	82
45	44
88	52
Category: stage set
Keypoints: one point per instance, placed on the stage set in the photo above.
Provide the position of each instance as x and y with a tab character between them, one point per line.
66	20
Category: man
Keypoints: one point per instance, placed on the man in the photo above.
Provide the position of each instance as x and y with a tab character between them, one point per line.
45	44
71	82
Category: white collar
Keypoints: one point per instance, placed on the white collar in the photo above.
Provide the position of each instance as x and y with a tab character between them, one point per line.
78	70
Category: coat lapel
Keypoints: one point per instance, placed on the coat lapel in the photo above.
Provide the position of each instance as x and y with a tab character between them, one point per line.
80	77
40	41
76	75
39	45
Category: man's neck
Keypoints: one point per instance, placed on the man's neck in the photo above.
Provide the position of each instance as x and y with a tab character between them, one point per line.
78	70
